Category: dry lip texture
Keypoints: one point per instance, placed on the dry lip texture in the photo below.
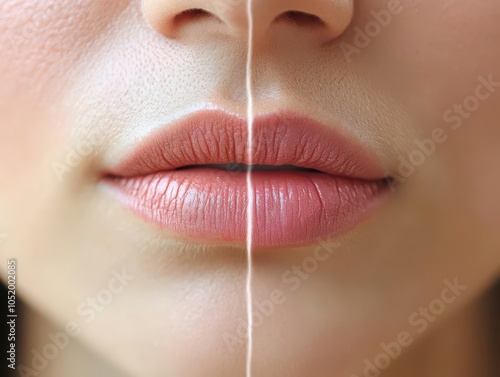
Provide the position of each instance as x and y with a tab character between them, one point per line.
166	180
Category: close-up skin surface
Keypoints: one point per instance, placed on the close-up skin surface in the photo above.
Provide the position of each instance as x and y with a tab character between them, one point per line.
371	129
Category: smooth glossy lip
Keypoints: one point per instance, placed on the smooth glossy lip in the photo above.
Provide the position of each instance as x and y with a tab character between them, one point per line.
308	180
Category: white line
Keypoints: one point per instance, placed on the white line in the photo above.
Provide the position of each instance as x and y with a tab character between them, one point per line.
250	192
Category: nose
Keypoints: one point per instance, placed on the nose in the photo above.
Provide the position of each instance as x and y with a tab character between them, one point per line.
325	19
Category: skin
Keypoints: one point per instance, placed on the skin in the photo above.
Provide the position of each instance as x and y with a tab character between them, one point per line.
109	73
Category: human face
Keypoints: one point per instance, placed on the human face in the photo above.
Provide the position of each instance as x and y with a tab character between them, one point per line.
414	84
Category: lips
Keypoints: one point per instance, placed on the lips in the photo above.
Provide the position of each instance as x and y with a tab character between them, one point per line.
308	181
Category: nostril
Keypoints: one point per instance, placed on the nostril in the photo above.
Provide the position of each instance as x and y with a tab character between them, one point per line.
300	18
190	15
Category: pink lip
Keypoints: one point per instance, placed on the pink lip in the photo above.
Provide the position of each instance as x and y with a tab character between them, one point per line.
170	180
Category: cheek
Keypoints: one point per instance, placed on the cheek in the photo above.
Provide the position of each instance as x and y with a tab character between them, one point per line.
474	163
41	41
430	58
28	135
431	54
40	45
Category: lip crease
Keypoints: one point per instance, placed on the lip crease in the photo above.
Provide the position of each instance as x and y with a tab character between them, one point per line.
309	181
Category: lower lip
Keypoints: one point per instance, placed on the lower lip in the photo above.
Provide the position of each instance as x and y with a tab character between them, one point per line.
291	208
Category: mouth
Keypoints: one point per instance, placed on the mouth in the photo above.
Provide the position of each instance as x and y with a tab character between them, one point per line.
307	180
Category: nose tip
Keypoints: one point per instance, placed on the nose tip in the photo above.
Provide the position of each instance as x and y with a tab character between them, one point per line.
173	18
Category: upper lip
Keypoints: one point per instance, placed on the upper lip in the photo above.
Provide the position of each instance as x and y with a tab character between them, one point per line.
214	137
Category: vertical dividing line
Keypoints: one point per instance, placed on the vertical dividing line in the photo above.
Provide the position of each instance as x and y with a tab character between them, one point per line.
250	193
